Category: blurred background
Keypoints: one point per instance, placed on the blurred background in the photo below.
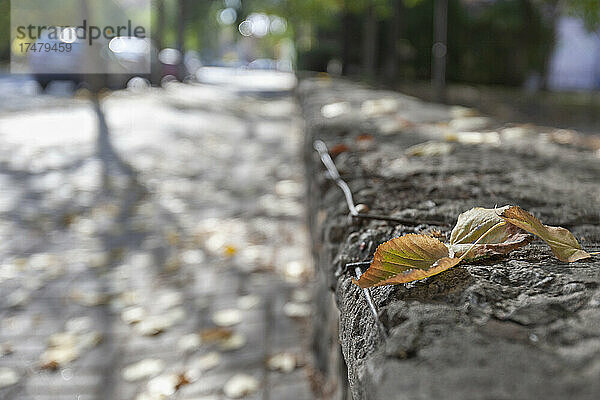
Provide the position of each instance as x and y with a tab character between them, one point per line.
509	57
152	227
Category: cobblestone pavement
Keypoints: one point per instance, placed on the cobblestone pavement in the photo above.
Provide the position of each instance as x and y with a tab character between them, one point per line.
153	247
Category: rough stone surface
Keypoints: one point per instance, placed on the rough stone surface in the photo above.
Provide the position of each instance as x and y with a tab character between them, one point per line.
515	327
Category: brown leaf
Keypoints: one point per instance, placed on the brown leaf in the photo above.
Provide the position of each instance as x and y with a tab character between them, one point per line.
182	380
485	225
562	242
215	334
405	259
338	149
440	265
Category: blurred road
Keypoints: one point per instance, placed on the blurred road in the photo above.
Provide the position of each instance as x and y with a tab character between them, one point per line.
153	246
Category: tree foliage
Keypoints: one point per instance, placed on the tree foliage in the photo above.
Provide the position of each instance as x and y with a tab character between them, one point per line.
588	10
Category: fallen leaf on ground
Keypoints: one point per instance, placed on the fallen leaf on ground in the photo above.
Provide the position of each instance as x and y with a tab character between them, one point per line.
229	251
169	299
499	238
133	315
338	149
143	369
371	108
193	257
234	342
469	123
301	296
155	324
18	298
248	302
189	342
163	385
88	298
296	271
297	310
479	232
562	242
476	137
240	385
228	317
79	325
205	362
182	380
335	109
55	357
405	259
8	377
65	347
215	334
5	349
283	362
365	142
429	149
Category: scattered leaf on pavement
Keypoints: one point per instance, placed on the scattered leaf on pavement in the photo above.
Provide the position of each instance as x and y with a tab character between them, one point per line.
205	362
163	385
284	362
227	317
234	342
248	302
143	369
212	335
240	385
8	377
297	310
190	342
335	109
430	149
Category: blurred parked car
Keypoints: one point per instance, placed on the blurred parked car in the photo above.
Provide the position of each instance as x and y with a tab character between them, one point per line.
57	63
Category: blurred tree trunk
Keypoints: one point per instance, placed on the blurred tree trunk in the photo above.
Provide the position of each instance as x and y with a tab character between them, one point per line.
181	9
394	30
346	38
159	35
91	59
439	49
160	24
370	41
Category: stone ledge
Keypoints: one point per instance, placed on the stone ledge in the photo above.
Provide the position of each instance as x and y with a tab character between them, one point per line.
517	327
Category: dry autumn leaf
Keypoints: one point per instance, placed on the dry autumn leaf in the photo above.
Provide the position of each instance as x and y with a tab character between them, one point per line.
479	232
215	334
484	225
405	259
562	242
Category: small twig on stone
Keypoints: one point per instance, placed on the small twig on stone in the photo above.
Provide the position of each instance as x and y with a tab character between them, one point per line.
334	174
358	272
380	327
352	266
321	148
403	221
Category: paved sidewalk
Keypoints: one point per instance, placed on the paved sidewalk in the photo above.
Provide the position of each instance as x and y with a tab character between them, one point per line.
154	247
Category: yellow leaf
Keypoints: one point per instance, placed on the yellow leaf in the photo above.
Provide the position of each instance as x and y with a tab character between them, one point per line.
405	259
229	251
562	242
